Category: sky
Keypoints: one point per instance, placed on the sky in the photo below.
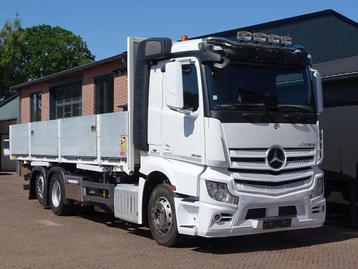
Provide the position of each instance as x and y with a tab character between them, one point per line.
105	24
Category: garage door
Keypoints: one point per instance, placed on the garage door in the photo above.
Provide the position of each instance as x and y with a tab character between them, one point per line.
5	163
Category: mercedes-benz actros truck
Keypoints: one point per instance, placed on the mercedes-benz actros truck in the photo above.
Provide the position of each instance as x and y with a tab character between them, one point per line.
221	138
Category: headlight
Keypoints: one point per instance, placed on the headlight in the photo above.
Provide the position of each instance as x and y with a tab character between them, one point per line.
219	192
318	188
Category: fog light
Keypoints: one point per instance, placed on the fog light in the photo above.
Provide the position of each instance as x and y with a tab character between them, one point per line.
217	217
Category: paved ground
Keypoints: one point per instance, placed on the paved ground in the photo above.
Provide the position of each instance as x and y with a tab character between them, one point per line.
32	237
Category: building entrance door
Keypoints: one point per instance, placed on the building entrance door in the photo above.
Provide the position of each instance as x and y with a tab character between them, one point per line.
5	163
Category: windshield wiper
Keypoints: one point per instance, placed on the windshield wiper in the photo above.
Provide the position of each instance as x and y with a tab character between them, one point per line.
294	108
295	111
251	109
251	106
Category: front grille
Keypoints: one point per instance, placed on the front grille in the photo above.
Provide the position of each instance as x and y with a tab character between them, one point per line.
269	188
255	159
252	173
269	176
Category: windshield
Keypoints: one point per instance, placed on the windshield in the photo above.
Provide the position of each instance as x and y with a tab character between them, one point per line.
260	88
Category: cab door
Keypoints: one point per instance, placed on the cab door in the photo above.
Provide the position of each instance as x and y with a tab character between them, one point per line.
183	130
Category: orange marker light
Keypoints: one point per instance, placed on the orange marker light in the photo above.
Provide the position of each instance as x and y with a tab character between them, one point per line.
184	38
173	188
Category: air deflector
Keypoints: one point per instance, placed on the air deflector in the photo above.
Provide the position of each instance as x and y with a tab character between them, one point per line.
149	50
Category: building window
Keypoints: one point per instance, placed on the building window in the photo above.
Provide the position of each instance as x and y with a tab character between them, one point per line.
190	87
66	101
104	95
35	106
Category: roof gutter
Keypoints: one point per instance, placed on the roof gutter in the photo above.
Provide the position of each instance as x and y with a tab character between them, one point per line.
340	76
80	68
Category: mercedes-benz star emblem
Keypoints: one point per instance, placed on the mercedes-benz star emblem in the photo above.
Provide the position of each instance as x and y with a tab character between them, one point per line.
276	157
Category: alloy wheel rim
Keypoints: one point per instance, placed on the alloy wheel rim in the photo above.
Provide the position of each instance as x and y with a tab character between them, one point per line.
40	185
161	215
56	194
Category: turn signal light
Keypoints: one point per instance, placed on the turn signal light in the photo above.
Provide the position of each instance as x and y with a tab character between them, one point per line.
173	188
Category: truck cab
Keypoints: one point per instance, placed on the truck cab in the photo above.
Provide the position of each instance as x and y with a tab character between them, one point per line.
234	126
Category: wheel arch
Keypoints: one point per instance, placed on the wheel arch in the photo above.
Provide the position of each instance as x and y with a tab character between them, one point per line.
158	166
183	175
153	179
56	169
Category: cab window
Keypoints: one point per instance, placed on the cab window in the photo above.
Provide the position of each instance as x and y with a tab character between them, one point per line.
190	87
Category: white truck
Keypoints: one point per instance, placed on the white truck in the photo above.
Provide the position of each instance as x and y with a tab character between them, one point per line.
221	138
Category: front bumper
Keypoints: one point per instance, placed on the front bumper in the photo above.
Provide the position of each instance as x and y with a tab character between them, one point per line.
198	217
235	222
199	220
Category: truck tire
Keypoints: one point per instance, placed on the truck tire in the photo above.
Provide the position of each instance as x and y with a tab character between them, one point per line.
59	205
162	216
40	188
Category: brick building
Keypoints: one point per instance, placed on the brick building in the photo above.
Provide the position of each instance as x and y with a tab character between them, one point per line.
98	87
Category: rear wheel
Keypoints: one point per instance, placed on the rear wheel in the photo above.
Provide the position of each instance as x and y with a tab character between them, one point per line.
59	205
40	188
162	216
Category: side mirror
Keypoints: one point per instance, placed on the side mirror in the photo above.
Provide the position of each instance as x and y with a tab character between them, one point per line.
317	90
174	93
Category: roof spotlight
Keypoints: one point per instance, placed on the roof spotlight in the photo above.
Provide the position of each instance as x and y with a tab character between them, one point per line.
244	36
273	39
259	37
286	40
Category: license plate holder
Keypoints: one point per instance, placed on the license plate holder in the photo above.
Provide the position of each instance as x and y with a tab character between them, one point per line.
272	223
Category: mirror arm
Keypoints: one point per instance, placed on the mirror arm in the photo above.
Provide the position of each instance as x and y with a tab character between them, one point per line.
223	64
185	111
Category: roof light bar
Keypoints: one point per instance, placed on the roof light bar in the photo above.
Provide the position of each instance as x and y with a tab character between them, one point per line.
273	39
286	40
259	37
244	36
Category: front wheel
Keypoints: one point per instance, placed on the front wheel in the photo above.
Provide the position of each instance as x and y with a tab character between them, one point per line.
162	216
59	205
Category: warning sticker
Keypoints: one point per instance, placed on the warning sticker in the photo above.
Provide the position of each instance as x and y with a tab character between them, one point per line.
123	149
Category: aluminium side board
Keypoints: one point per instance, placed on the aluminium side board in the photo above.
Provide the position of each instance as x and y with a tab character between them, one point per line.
94	140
